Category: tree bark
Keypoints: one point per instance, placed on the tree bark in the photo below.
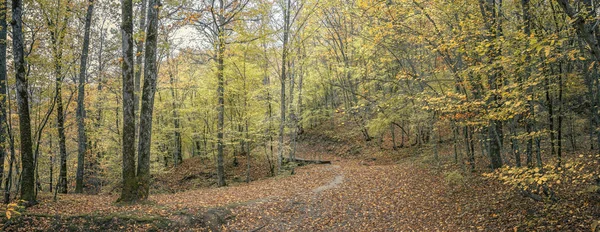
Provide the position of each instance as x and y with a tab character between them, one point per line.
82	140
525	4
57	36
177	154
62	179
149	89
3	83
138	59
221	110
129	191
492	9
284	60
27	187
8	181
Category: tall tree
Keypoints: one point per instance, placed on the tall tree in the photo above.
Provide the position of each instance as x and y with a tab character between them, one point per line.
216	26
282	78
3	83
139	51
27	186
491	9
219	23
129	191
150	77
56	17
82	140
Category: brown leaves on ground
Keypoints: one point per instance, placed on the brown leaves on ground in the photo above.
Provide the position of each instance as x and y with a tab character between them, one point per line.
168	206
362	192
371	198
350	195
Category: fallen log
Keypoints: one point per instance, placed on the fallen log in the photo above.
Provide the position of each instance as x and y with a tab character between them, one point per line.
307	161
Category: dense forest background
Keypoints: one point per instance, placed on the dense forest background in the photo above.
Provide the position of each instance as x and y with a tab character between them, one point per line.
107	97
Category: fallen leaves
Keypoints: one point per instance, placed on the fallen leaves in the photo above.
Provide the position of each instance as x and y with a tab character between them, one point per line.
384	195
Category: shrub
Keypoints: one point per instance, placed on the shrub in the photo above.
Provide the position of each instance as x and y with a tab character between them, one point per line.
539	183
454	178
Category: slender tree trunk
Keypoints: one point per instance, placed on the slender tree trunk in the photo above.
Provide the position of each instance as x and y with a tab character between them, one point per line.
560	117
269	114
284	61
529	90
454	141
515	143
3	84
82	140
149	89
139	55
51	164
495	134
221	96
57	41
572	132
470	145
62	176
300	129
11	139
177	154
221	119
129	191
550	104
27	187
538	152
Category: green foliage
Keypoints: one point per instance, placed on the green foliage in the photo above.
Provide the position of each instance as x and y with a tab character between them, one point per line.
454	178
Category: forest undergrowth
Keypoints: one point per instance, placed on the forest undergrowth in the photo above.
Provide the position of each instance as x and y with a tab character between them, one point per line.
368	187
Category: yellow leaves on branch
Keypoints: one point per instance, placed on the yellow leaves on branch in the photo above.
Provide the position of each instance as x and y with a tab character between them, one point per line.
578	171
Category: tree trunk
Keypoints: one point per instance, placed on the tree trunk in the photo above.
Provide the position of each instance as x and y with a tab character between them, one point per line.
62	178
177	154
11	139
139	51
529	90
221	95
82	140
149	89
27	187
492	10
57	41
284	60
129	191
3	83
550	104
560	117
514	142
51	164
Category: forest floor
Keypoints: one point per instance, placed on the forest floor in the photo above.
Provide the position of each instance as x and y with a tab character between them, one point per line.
381	191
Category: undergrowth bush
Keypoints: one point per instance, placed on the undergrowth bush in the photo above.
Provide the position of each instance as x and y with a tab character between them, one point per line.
579	175
454	178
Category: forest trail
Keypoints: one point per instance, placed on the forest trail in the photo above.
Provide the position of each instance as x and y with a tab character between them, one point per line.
361	197
339	179
348	195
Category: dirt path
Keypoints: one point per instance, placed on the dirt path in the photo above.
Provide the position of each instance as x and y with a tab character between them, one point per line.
345	196
339	179
358	198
